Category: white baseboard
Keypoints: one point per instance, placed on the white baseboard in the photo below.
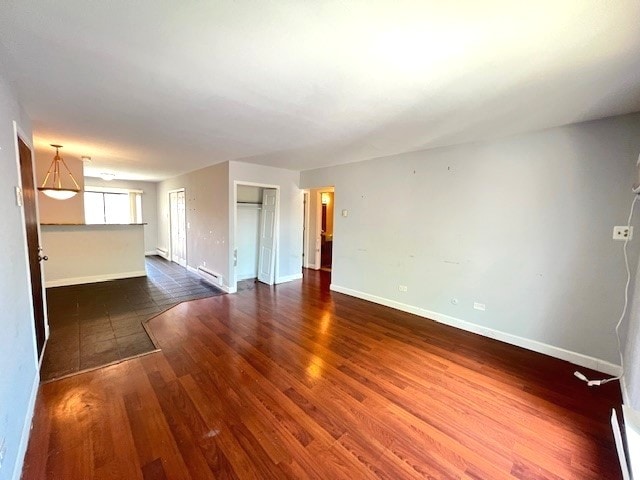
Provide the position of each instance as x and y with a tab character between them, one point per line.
26	429
63	282
553	351
150	252
289	278
162	253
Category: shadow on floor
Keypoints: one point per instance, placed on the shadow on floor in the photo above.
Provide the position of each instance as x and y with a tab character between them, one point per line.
100	323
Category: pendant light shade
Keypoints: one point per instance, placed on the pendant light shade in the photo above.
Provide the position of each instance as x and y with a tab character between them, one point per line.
52	185
58	194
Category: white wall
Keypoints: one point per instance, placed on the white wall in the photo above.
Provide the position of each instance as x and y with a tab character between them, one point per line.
522	225
19	374
117	251
289	261
207	204
149	206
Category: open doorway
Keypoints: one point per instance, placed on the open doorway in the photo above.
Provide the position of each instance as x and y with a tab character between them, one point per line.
319	229
256	215
326	230
178	226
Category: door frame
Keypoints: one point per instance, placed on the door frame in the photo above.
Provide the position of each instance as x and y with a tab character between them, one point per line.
176	190
313	245
306	195
19	133
233	281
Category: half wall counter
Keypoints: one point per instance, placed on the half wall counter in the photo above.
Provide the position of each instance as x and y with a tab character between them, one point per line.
82	253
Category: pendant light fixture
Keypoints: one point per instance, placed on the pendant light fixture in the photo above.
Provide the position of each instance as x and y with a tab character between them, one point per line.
55	188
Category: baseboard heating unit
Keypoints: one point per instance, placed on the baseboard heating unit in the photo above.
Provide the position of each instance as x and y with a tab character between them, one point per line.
210	276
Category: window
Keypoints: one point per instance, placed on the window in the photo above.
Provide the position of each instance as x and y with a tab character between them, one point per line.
112	205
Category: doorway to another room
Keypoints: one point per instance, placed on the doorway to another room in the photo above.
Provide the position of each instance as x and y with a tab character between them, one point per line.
326	230
319	228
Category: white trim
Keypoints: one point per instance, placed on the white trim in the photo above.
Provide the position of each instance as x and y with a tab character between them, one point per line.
186	240
95	278
163	252
306	206
551	350
317	240
632	438
26	428
617	435
150	252
289	278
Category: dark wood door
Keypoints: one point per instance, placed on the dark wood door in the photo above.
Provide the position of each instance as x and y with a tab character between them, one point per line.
33	241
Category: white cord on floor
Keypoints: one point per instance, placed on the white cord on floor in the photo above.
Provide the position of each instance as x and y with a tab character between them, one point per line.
581	376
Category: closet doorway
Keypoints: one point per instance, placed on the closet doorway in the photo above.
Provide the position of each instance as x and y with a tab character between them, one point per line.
255	233
248	208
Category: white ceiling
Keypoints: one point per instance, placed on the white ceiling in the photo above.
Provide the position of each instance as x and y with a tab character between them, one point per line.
153	88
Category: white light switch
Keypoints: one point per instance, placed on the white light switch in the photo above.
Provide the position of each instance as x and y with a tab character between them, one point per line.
345	213
19	196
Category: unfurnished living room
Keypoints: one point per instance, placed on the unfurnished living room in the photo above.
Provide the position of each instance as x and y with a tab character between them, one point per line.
320	239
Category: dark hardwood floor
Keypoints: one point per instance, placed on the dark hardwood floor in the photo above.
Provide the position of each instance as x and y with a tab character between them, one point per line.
295	381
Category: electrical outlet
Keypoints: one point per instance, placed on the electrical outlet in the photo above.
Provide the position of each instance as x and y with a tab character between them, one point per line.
479	306
402	288
622	232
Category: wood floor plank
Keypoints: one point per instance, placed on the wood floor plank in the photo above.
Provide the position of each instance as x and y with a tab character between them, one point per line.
295	381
